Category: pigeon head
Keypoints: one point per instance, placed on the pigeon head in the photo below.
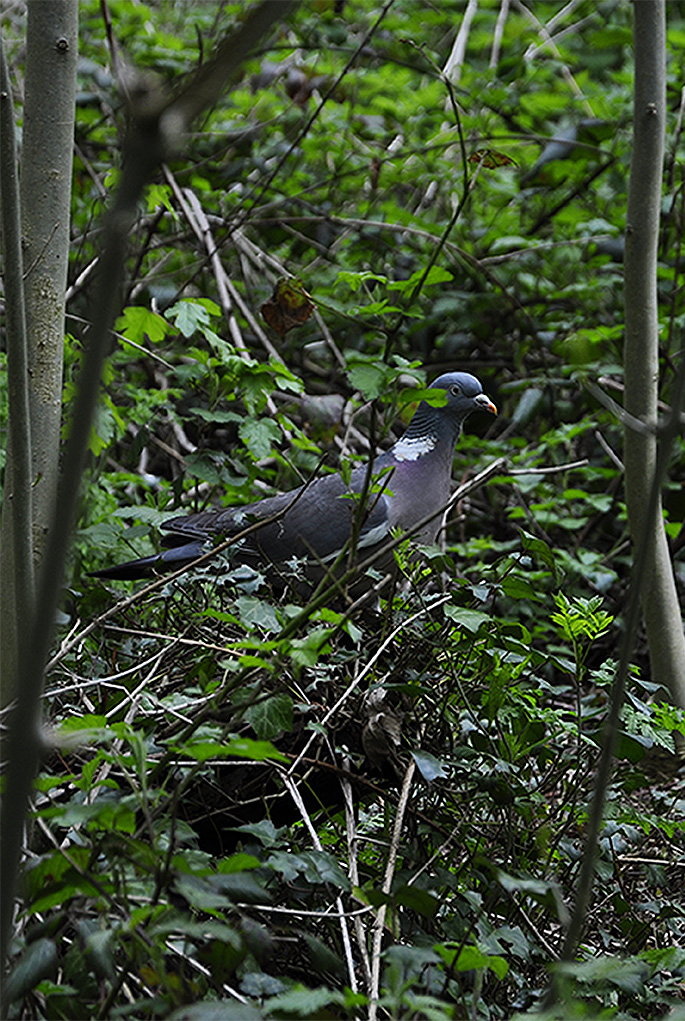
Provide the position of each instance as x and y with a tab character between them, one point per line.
432	427
464	395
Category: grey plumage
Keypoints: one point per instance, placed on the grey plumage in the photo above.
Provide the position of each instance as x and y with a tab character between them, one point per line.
316	521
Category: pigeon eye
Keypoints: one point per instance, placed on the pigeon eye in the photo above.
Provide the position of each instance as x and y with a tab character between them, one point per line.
455	390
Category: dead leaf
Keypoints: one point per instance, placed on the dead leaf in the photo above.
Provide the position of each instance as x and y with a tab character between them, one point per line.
289	305
491	158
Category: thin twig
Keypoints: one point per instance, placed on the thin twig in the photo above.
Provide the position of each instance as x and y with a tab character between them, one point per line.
353	872
498	33
552	469
345	933
545	35
194	214
386	888
453	66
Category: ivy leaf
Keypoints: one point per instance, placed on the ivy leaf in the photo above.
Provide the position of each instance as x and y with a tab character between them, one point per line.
256	613
271	718
264	831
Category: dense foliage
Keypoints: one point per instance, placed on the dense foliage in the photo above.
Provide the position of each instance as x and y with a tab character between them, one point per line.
255	809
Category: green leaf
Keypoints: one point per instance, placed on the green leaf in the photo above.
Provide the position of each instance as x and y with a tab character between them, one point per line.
315	866
201	749
272	717
217	1010
471	958
538	550
148	514
259	751
158	194
323	958
136	323
323	867
190	316
256	613
435	275
259	436
355	280
38	961
369	379
516	587
98	945
238	863
83	730
257	984
306	651
104	813
540	890
632	747
429	767
418	900
242	887
303	1003
510	940
52	877
200	894
216	415
264	831
629	976
435	396
470	620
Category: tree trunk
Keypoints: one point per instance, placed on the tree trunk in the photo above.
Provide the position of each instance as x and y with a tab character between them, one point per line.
46	164
16	556
45	190
641	362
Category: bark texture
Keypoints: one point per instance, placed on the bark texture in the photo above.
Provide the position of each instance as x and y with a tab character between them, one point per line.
16	555
641	363
46	165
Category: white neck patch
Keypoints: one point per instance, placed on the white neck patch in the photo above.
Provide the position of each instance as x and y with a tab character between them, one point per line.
411	448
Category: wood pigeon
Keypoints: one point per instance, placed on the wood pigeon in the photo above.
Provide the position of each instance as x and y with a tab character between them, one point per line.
410	481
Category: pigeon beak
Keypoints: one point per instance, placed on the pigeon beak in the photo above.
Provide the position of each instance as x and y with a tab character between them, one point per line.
484	402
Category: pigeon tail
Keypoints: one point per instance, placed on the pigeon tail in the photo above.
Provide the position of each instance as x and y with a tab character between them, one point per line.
147	567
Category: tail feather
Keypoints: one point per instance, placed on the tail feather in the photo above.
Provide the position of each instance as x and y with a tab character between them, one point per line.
158	563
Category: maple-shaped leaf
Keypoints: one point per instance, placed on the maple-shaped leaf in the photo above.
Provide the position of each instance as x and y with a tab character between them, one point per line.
289	305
